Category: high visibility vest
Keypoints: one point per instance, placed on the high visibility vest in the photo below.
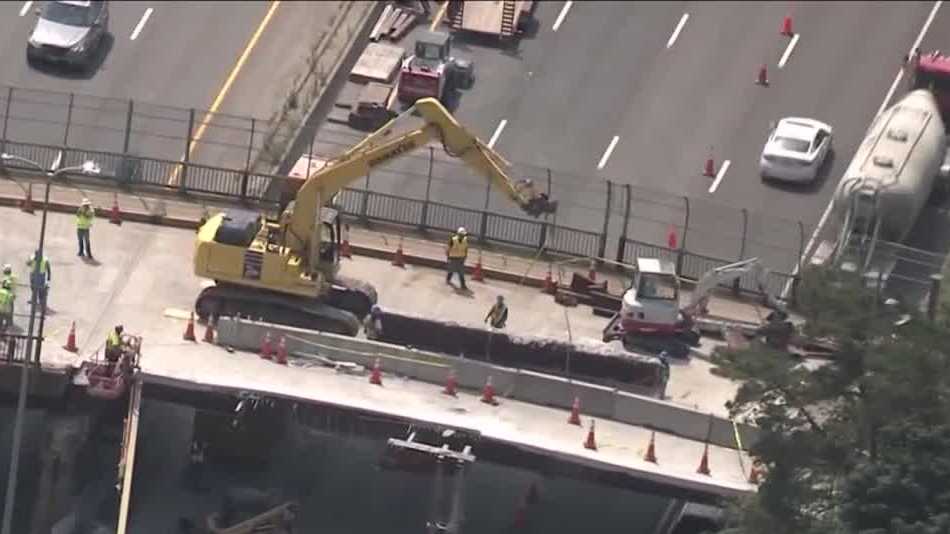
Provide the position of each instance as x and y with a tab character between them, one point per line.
6	301
44	268
458	246
9	283
84	218
113	340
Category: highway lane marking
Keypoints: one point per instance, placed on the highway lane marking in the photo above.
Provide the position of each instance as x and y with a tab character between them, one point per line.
26	8
562	15
719	176
141	24
438	16
788	50
677	30
173	179
608	152
497	134
887	98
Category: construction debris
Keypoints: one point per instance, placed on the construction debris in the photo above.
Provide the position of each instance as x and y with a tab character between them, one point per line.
395	22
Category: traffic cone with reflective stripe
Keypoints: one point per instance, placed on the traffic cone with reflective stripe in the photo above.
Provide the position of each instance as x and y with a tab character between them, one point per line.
71	339
209	331
709	170
590	443
115	216
189	334
704	462
266	348
763	78
27	204
376	376
477	273
787	26
281	355
575	417
451	385
488	393
650	456
398	259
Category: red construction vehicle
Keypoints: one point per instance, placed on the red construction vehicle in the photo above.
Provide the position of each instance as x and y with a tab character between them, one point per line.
931	71
431	71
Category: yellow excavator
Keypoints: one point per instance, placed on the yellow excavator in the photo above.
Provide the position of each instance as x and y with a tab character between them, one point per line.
286	270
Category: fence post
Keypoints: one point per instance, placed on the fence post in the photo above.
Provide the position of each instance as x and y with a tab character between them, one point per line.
128	127
549	182
483	231
6	118
183	182
933	298
602	246
69	120
622	242
425	204
247	162
736	285
365	207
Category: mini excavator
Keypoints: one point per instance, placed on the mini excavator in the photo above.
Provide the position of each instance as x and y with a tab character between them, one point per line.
286	270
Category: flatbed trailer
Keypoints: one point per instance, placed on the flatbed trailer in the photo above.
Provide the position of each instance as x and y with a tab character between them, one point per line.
505	19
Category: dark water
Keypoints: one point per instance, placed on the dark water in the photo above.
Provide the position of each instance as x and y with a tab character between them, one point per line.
334	477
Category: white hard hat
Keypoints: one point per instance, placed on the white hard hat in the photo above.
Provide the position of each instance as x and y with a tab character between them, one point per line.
7	269
85	202
461	230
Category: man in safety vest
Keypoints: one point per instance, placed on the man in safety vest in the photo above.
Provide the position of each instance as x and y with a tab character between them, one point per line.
8	281
114	344
498	314
6	308
84	218
457	251
40	278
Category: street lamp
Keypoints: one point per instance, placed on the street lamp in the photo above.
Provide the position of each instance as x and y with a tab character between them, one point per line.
88	167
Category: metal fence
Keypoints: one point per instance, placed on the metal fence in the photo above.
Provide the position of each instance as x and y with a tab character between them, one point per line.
199	152
13	348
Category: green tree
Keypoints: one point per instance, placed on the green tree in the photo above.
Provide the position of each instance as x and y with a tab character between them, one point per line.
858	444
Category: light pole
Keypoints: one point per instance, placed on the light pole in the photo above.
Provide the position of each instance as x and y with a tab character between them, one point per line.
88	167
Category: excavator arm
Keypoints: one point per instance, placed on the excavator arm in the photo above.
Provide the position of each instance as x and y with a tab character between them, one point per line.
300	219
728	273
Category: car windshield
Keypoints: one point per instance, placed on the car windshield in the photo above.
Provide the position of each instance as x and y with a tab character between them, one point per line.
68	14
790	143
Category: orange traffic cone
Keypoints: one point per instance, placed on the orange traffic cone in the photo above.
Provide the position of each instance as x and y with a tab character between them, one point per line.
478	274
345	250
189	334
451	384
763	78
398	259
575	417
376	377
590	443
488	393
27	204
209	331
709	170
549	286
71	339
650	456
704	462
115	216
592	273
281	355
266	348
671	240
787	26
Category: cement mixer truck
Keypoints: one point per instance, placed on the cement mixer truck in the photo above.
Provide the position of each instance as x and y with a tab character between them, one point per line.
897	166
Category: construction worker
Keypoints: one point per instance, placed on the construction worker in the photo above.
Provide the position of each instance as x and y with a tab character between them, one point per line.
40	279
498	314
8	281
373	323
457	251
84	218
114	345
6	308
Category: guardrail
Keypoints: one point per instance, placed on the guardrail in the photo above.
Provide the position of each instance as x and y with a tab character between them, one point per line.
13	348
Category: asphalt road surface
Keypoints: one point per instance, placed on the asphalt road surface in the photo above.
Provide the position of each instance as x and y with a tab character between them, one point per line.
614	71
179	57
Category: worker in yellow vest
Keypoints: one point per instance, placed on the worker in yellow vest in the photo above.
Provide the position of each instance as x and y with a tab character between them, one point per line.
6	308
40	278
8	281
114	344
456	251
84	218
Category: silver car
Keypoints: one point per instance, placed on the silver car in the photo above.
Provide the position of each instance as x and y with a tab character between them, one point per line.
68	32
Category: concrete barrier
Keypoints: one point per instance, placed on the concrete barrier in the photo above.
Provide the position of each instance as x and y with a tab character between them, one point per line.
524	385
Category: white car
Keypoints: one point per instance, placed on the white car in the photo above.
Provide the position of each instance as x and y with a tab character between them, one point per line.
796	149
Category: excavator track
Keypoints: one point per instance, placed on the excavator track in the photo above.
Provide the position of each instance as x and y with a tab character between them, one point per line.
340	312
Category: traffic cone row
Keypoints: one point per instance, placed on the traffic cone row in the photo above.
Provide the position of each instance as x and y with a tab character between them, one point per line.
478	274
115	216
267	349
27	204
399	259
71	339
189	334
281	355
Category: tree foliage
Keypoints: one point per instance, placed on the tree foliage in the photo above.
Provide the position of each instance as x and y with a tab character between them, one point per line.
857	444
